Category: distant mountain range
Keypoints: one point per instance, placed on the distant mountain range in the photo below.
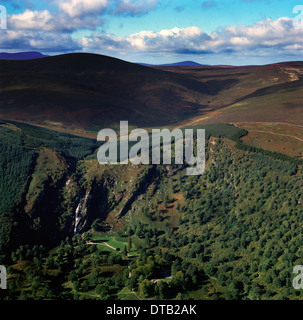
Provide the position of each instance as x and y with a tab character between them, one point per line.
21	56
38	55
181	63
185	63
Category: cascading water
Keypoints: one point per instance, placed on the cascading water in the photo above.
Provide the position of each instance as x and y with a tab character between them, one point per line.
77	218
80	212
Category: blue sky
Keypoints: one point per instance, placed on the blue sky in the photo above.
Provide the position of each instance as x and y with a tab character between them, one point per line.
157	31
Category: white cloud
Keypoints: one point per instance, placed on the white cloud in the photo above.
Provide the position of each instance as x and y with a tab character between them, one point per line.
265	38
39	20
265	34
18	40
79	8
168	40
47	21
77	14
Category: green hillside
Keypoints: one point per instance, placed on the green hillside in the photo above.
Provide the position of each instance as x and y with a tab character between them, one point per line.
232	233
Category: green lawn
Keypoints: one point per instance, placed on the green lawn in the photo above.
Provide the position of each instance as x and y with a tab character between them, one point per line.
112	242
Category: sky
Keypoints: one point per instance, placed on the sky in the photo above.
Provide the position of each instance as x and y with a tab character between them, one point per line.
233	32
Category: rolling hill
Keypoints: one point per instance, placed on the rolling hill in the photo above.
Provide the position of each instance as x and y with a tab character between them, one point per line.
81	93
180	63
87	91
251	93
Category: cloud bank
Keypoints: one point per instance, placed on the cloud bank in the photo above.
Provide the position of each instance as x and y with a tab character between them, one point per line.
54	31
265	35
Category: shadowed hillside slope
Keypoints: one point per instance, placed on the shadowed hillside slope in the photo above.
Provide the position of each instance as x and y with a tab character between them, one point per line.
87	90
82	93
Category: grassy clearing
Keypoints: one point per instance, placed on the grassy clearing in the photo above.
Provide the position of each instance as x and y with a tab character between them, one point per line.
110	243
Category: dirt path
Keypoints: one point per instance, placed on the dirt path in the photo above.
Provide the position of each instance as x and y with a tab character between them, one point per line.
271	132
134	293
106	244
260	122
102	243
277	134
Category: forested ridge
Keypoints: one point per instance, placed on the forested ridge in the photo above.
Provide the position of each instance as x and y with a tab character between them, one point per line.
234	232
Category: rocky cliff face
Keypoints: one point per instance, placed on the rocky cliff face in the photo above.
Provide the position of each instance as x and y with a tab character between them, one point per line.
64	198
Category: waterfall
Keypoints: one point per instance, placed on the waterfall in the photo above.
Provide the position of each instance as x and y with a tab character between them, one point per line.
77	218
80	212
